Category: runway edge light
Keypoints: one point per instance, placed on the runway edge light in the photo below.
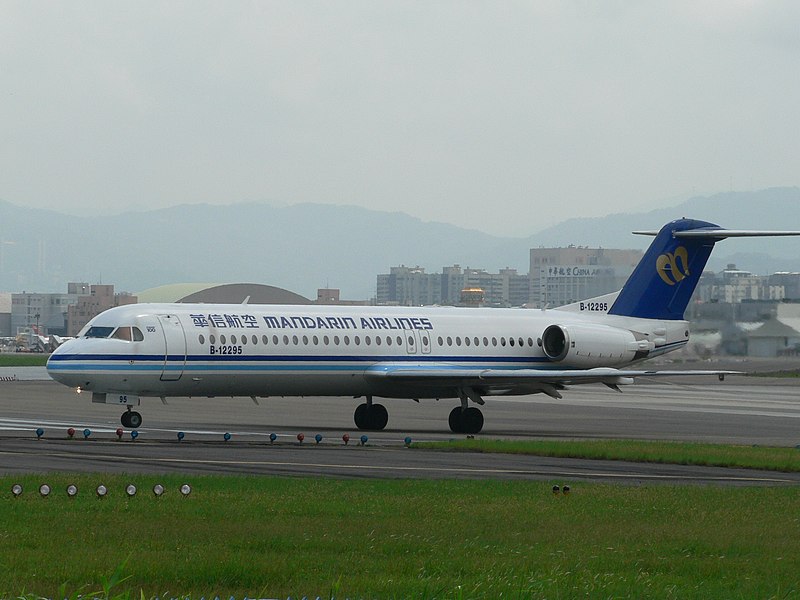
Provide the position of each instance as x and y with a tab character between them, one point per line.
186	489
16	490
72	490
101	491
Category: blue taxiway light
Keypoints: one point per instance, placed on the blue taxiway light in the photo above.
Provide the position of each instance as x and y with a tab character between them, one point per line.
39	433
134	434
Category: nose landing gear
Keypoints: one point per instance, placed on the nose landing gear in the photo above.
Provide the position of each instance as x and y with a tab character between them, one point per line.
131	419
371	417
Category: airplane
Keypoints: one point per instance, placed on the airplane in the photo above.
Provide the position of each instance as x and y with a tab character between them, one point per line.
467	354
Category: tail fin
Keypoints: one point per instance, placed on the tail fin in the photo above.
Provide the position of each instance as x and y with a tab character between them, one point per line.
665	279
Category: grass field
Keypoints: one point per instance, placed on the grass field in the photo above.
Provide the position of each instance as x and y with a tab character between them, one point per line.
22	359
274	537
678	453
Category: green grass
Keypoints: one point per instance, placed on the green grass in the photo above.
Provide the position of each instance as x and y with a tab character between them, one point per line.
680	453
275	537
22	359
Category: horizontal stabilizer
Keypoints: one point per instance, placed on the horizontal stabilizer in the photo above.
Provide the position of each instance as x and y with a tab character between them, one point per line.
721	234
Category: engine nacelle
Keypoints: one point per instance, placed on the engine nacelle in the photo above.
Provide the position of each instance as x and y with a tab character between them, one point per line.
592	345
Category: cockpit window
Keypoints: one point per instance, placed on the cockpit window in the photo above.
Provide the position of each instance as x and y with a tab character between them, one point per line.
123	333
128	334
99	332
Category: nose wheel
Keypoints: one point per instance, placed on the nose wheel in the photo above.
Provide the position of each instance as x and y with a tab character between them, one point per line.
131	419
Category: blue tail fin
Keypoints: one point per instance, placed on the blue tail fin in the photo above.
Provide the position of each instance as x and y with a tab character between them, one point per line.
664	280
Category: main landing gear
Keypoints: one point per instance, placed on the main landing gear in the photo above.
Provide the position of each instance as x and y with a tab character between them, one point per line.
371	417
131	419
466	419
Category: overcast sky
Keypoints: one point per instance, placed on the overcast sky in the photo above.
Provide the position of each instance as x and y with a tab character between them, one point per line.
499	116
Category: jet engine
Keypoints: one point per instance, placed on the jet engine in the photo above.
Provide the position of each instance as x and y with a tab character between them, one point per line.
584	346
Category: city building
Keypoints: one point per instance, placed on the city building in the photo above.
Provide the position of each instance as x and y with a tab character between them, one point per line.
733	286
561	276
46	314
412	286
90	303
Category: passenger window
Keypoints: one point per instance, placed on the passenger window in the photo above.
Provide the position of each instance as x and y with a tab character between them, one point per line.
305	340
485	342
244	340
222	339
440	340
477	342
357	340
285	340
233	339
368	340
346	340
410	341
466	341
326	340
315	339
503	341
295	340
265	340
212	339
458	340
202	339
511	341
255	339
399	341
336	340
449	341
494	341
388	341
377	340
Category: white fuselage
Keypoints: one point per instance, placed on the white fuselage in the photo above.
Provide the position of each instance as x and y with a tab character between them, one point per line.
265	350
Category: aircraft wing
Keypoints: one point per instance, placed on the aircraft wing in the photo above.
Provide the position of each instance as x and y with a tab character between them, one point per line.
446	375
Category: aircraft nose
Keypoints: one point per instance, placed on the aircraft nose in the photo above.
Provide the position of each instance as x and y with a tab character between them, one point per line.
57	365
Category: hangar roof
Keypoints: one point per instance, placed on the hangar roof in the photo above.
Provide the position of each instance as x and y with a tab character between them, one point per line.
227	293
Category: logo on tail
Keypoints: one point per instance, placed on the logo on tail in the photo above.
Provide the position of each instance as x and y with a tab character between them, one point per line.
673	267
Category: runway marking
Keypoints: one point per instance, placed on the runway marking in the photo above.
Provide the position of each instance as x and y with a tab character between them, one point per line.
409	469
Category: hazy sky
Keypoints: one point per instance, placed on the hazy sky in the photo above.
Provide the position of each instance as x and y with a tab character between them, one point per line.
500	116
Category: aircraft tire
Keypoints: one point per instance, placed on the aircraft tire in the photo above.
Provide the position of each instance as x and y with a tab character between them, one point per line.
371	418
361	416
379	417
134	419
468	420
455	420
125	419
472	420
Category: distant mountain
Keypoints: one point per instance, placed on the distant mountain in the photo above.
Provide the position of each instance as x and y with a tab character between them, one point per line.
299	247
774	208
306	246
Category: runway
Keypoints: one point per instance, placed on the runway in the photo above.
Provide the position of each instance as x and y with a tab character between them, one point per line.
747	411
